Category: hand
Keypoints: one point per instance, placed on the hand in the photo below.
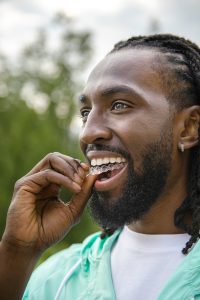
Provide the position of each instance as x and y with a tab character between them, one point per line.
37	217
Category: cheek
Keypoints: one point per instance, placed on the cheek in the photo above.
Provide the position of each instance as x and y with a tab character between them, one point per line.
82	145
136	135
133	141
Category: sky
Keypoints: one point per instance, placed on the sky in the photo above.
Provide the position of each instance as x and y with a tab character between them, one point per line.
108	20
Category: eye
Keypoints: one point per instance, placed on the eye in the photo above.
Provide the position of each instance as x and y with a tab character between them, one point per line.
84	114
119	106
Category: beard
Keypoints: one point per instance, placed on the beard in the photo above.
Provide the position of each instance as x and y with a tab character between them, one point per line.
141	190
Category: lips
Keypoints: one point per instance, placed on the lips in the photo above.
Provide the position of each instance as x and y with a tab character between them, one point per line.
111	181
111	168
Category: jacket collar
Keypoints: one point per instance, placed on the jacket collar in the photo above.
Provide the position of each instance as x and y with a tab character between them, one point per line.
94	247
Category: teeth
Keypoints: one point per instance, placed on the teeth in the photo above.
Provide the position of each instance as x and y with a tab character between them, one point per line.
105	168
119	159
94	162
112	160
99	161
107	160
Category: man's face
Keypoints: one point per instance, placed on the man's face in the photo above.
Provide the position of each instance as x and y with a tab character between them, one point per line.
126	136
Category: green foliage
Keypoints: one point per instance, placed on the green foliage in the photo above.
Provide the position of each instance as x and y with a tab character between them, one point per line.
37	107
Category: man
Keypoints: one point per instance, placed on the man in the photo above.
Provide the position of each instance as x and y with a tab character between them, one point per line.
140	135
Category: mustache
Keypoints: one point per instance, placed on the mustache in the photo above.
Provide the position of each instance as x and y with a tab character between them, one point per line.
101	147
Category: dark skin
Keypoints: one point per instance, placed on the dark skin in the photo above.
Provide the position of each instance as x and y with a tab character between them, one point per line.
37	218
123	105
134	124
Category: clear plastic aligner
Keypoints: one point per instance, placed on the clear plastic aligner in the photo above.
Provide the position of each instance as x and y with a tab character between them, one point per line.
105	168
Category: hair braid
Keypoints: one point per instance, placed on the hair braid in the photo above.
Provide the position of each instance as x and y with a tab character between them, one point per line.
184	59
107	232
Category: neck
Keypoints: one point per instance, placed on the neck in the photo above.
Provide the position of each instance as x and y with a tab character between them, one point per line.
156	222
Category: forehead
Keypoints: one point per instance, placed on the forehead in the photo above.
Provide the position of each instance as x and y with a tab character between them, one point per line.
134	68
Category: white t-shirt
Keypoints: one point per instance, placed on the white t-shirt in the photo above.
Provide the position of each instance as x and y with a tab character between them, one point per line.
141	264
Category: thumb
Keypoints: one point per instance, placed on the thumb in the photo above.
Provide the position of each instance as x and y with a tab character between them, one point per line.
79	200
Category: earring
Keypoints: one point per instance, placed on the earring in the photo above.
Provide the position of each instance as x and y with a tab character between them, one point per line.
182	148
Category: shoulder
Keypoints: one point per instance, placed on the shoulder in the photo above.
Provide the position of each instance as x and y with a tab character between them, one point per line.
50	273
47	278
185	282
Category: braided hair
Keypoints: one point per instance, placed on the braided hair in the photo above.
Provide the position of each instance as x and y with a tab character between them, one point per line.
183	59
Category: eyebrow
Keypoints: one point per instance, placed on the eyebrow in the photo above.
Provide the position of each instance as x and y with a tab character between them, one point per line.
111	91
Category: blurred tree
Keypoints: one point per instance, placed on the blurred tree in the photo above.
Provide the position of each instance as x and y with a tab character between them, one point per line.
37	107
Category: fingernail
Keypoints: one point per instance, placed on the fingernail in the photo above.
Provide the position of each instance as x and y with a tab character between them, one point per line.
77	187
81	172
85	166
77	178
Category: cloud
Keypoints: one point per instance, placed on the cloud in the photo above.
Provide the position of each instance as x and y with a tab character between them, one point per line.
110	21
18	24
183	17
131	19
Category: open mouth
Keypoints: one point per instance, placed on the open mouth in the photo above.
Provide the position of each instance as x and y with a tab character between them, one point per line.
110	171
106	171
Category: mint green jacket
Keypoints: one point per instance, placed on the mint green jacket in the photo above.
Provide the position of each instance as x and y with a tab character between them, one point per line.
91	278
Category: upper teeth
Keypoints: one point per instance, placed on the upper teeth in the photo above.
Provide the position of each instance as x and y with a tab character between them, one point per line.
106	160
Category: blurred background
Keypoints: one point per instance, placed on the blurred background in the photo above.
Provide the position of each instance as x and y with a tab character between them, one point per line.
47	49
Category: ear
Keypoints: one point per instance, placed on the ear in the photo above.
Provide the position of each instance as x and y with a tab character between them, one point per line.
189	136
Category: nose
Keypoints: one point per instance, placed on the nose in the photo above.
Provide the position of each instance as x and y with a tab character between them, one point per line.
95	129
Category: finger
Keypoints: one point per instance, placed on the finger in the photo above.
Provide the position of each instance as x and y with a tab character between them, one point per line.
55	161
40	165
45	163
51	190
83	170
79	201
35	183
85	166
59	164
79	167
64	167
75	163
